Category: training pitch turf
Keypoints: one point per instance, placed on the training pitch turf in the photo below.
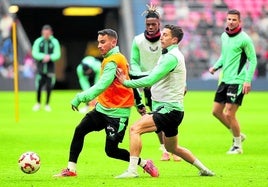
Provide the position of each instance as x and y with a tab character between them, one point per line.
49	135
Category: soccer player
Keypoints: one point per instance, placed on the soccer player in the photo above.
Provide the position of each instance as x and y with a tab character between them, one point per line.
145	51
237	48
168	85
112	109
46	51
88	72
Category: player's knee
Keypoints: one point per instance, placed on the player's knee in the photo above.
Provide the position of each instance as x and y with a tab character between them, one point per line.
216	113
111	151
77	131
111	148
169	149
80	131
229	116
133	129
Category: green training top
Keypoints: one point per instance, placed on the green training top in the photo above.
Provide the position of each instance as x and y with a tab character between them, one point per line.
42	47
95	65
167	80
233	60
144	55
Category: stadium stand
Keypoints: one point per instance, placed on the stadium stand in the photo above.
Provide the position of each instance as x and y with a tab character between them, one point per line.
204	20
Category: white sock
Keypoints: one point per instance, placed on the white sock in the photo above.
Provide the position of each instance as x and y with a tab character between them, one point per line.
162	147
142	163
237	141
199	165
72	166
133	164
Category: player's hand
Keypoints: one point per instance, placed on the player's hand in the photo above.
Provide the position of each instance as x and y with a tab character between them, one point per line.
75	103
211	70
120	75
141	109
185	90
46	58
246	87
74	108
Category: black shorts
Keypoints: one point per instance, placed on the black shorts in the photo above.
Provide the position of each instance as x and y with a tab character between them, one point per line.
229	93
168	122
115	128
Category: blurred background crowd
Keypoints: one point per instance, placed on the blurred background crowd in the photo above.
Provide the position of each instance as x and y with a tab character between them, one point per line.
203	21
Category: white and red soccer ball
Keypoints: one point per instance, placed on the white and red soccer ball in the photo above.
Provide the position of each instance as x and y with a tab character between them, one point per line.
29	162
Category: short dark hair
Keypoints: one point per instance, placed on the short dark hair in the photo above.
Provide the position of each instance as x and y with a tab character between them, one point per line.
47	27
176	31
109	32
151	12
234	11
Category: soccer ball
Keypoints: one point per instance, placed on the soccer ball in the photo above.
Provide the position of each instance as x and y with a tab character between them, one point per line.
29	162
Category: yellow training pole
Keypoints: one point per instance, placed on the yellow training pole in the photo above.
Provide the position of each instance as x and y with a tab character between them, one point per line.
16	74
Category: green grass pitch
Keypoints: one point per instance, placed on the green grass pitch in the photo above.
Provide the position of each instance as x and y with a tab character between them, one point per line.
49	135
